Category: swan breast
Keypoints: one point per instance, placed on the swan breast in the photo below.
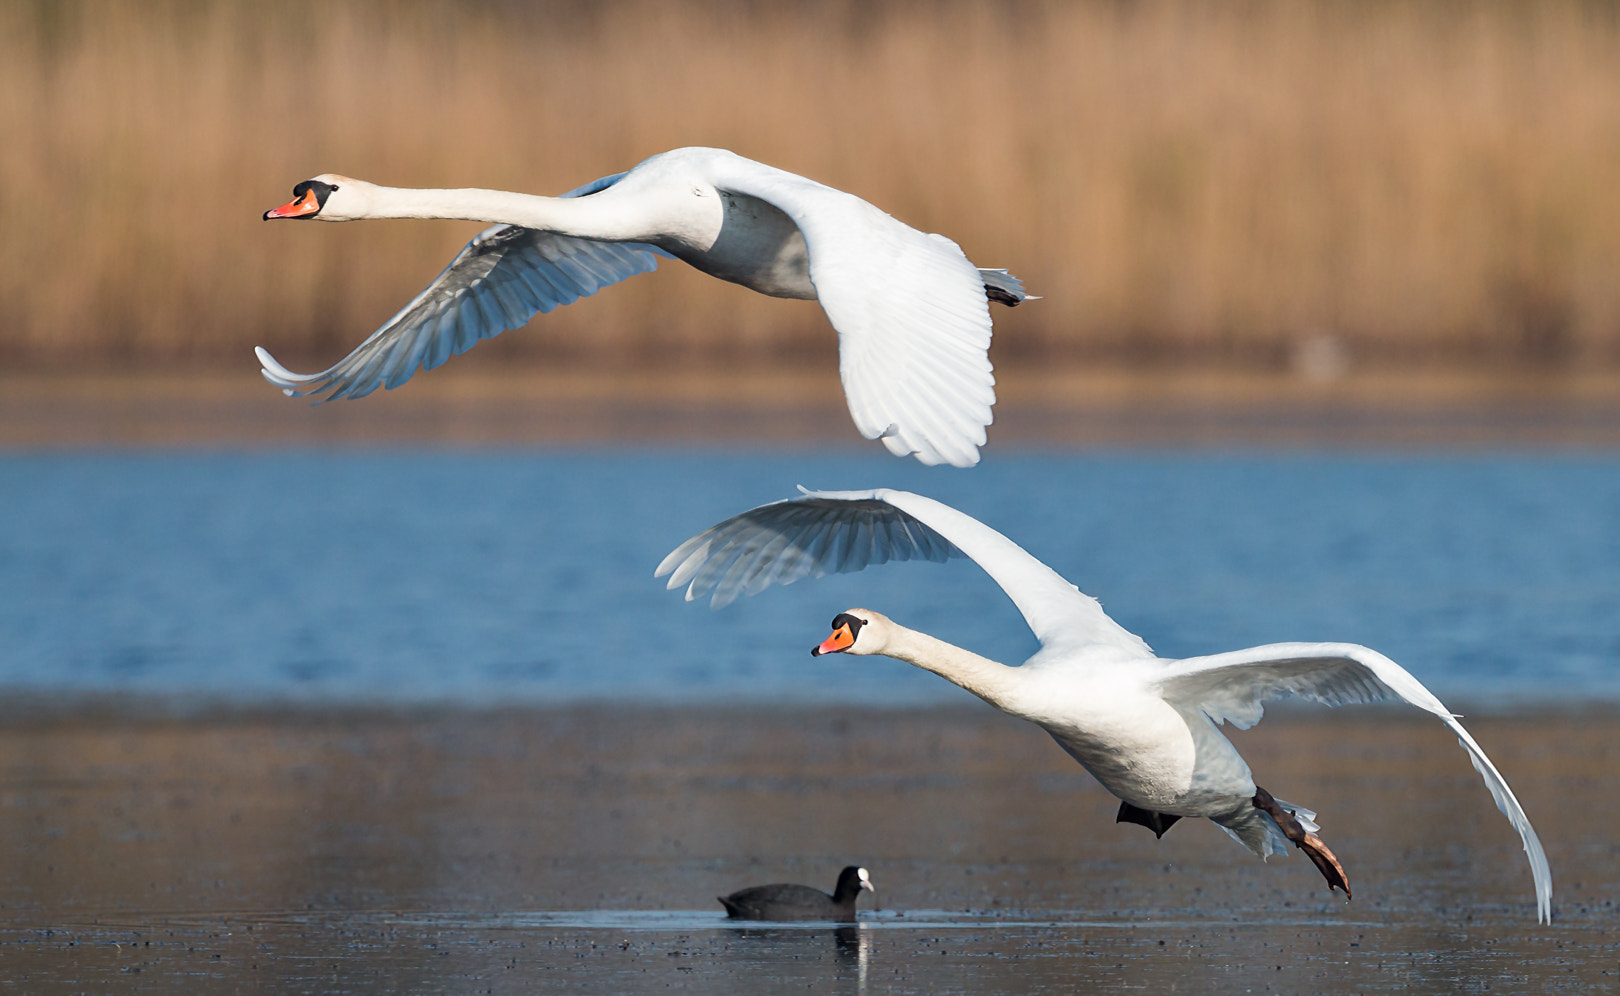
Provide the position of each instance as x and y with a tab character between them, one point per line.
1137	745
757	246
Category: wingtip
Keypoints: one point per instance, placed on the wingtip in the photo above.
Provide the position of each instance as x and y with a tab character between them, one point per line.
274	372
722	598
276	382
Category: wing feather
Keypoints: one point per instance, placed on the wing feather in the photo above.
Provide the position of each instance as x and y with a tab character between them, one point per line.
546	295
810	536
439	340
515	308
908	307
824	532
1234	687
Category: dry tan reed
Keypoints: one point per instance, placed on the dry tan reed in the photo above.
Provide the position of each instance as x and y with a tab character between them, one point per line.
1183	182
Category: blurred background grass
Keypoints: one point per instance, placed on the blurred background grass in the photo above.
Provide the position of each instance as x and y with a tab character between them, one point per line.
1241	186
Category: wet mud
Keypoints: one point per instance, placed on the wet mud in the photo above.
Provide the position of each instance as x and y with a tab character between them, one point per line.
581	850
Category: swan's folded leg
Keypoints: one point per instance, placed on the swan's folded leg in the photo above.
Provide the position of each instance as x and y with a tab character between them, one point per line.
1157	822
1310	843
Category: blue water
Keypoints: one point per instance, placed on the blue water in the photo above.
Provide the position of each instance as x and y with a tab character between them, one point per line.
516	576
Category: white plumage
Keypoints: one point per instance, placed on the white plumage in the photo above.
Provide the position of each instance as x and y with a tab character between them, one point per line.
912	314
1144	726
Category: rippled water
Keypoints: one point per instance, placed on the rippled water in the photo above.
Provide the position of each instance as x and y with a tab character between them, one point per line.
519	576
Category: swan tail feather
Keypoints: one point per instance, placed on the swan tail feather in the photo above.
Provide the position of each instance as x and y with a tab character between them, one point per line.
1256	830
1004	288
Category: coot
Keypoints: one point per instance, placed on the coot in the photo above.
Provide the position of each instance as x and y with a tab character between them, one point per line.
800	902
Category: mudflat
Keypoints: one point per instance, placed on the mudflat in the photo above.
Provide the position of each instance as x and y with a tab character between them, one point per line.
311	850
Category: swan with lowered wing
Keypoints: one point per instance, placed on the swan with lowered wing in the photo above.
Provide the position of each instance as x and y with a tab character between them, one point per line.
1147	728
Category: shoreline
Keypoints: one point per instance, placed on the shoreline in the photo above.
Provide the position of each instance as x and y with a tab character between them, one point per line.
34	710
1065	409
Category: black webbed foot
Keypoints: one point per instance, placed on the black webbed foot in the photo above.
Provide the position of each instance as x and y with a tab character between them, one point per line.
1157	822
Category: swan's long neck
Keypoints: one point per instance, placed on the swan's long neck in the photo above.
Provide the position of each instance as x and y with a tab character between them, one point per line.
594	217
989	680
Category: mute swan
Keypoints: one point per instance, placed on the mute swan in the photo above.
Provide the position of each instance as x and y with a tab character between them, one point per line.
800	902
912	313
1145	727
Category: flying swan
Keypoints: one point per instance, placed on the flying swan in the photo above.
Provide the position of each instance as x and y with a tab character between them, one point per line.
1145	727
912	314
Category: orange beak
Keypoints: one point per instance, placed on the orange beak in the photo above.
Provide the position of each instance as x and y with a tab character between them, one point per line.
841	639
303	207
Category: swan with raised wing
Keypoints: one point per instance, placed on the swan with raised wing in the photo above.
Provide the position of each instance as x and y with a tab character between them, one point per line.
912	314
1147	728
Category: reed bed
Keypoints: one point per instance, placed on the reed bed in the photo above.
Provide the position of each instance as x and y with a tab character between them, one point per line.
1183	182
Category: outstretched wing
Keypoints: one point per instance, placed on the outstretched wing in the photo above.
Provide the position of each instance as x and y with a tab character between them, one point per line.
911	312
503	278
1234	687
827	532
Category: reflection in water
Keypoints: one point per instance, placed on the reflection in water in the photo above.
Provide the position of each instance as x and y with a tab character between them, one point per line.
849	943
853	950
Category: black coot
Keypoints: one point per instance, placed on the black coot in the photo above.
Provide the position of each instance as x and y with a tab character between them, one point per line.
800	902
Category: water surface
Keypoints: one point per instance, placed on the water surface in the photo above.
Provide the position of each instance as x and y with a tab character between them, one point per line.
526	576
581	848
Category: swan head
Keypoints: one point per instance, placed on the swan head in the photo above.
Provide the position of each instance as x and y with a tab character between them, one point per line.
328	197
857	631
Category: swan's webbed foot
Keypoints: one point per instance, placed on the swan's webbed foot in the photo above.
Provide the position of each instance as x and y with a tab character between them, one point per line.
1157	822
1319	853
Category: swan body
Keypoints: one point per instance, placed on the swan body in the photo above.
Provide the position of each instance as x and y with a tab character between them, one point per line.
911	312
1147	728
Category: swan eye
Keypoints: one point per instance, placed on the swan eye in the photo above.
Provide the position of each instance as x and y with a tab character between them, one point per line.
853	622
320	189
